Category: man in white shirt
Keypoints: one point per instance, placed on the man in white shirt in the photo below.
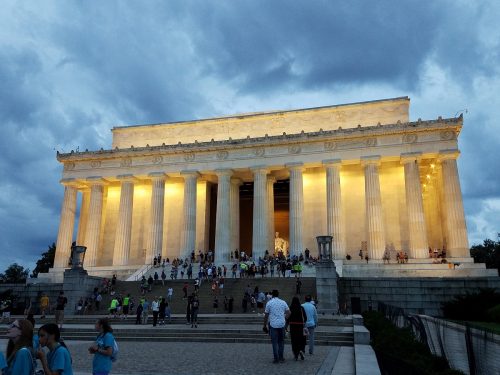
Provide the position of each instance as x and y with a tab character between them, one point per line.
170	294
276	313
155	307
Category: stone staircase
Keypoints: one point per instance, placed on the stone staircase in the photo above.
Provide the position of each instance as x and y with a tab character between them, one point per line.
232	287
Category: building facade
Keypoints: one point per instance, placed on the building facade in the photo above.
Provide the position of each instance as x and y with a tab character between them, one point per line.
360	172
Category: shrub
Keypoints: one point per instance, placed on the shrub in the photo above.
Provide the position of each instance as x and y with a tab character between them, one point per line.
493	314
472	306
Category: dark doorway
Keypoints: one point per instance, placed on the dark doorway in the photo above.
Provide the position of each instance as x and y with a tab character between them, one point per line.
282	208
355	305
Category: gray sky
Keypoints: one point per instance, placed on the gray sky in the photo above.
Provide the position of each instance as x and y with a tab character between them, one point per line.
71	70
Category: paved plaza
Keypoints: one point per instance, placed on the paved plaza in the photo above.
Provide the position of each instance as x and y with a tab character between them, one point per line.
179	358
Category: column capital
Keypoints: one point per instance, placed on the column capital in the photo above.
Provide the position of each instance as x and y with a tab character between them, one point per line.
190	174
332	162
69	182
260	169
127	178
408	157
236	181
96	180
295	166
271	178
223	172
370	160
448	154
157	176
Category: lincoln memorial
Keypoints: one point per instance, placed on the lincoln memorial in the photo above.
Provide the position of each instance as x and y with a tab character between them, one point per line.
360	172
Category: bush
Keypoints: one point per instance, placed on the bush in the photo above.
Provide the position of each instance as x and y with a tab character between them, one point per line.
399	352
472	306
493	314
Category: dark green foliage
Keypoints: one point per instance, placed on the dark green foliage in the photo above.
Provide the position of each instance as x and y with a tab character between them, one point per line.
15	274
45	262
399	352
488	252
472	306
493	314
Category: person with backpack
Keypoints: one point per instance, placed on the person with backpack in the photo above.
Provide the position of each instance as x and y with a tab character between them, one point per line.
21	358
58	360
195	307
60	305
104	348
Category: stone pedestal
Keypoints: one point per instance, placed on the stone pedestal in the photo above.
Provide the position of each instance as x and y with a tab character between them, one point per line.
77	284
327	287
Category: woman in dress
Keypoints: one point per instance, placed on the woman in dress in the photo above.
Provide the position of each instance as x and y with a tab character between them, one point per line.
58	360
20	354
296	325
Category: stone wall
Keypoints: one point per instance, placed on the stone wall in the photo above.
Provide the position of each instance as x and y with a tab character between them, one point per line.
415	295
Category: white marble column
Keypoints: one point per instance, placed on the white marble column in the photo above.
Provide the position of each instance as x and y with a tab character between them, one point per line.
296	208
155	235
456	229
415	207
222	227
82	220
92	236
121	251
334	218
374	214
260	213
235	214
188	234
66	225
270	214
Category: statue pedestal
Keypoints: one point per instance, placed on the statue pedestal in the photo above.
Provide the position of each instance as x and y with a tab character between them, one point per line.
327	287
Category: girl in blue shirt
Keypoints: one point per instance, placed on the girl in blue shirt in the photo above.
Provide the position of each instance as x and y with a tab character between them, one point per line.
58	360
103	348
20	355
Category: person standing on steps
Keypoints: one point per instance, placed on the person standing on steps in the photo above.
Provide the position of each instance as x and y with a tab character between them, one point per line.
155	308
275	315
195	307
298	286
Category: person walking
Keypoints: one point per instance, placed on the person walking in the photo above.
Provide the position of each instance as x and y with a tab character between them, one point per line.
296	323
58	360
138	316
275	315
311	322
20	354
60	305
102	348
145	311
44	305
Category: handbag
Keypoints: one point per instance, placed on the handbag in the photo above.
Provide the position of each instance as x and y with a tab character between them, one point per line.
306	331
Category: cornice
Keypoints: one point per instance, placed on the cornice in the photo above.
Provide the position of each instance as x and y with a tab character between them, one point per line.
449	128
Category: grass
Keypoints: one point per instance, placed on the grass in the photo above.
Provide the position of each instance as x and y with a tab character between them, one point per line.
487	326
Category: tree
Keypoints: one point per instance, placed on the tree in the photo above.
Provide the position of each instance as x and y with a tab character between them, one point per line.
45	262
488	252
15	274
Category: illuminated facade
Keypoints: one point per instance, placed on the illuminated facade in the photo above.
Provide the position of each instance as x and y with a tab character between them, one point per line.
360	172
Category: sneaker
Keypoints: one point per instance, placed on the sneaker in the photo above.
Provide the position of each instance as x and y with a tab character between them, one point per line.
282	360
276	361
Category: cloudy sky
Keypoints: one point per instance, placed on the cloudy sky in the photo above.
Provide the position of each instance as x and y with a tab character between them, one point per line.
71	70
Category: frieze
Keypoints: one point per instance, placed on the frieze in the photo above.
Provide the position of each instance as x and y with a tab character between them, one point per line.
95	164
69	166
330	146
222	155
294	149
371	142
259	151
126	162
157	159
447	135
410	138
189	156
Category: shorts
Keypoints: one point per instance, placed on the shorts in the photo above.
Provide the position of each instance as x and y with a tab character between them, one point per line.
59	316
125	309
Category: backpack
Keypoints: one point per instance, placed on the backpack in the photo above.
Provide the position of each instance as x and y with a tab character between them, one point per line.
116	350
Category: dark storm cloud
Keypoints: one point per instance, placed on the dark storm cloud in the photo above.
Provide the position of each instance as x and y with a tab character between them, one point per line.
263	45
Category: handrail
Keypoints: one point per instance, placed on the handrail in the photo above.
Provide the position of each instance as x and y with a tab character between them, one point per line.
148	267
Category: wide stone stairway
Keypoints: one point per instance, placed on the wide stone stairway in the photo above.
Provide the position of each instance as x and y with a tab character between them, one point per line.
232	287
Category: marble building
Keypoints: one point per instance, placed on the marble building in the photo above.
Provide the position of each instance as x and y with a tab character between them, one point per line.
361	172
